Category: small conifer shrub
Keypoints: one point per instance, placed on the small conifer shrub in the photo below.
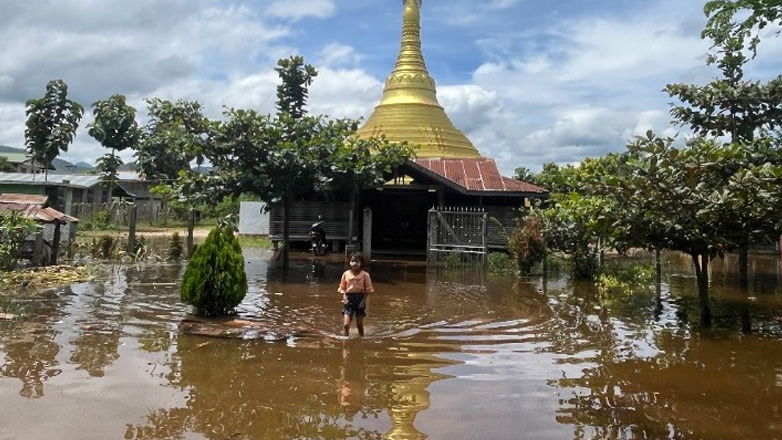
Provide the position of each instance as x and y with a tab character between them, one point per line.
175	247
215	281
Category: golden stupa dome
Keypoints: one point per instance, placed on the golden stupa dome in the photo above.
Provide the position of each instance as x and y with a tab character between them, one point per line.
409	110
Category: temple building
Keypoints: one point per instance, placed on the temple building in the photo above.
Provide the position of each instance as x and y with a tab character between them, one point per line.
448	183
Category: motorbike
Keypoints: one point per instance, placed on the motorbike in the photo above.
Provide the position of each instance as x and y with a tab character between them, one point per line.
318	238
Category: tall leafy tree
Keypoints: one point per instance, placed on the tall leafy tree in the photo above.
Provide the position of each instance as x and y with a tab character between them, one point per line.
277	158
700	199
740	19
51	124
115	127
739	111
290	160
579	217
293	91
175	137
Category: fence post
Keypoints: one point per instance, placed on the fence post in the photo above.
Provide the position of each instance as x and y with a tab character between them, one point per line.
367	243
132	229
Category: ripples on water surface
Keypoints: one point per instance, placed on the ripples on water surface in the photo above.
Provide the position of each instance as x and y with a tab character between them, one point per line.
447	356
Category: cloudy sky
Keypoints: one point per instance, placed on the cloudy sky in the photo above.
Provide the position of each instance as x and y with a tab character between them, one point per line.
528	81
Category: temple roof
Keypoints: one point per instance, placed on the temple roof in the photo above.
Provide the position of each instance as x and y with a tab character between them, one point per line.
475	175
409	110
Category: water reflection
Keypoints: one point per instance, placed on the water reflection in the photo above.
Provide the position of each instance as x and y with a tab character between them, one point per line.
447	355
29	347
352	378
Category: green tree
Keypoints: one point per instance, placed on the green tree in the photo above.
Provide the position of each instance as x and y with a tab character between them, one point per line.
523	174
579	217
14	229
6	166
290	161
740	19
51	124
173	137
115	127
215	281
744	113
176	135
701	199
292	93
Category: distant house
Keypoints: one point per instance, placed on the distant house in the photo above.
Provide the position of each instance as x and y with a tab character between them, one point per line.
68	193
23	163
149	204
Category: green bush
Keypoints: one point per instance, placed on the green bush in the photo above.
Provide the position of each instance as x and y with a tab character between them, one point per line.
625	276
175	246
500	264
14	228
215	281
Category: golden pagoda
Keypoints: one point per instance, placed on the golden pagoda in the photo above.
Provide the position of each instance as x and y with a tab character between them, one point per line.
409	110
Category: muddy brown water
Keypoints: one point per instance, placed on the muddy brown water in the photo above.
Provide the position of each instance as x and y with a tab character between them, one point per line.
448	355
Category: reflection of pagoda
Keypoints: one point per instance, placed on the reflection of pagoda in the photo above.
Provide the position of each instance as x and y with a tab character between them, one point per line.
409	110
412	398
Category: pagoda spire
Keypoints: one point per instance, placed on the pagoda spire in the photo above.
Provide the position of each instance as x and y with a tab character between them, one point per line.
409	110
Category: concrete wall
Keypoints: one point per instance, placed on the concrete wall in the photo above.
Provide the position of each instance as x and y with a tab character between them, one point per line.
253	220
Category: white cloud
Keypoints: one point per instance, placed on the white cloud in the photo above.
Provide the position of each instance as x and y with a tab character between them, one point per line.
528	82
298	9
339	93
335	54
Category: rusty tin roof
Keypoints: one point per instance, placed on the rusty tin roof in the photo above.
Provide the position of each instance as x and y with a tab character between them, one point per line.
477	175
33	207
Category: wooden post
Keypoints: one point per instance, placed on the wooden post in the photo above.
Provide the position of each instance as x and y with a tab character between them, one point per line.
56	243
38	250
366	247
190	228
132	229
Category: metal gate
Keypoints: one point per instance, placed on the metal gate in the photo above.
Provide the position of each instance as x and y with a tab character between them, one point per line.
457	236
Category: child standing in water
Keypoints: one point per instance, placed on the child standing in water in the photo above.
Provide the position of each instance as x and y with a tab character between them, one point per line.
355	286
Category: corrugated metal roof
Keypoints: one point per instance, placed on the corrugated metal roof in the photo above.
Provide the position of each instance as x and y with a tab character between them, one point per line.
15	158
23	199
73	180
81	181
478	175
33	207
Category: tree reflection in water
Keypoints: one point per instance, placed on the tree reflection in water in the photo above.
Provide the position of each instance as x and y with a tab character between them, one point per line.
29	344
451	354
271	390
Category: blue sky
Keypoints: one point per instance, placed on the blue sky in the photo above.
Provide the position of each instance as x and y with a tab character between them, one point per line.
528	81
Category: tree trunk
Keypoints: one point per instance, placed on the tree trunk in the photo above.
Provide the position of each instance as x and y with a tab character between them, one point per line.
132	229
658	265
190	228
701	263
743	266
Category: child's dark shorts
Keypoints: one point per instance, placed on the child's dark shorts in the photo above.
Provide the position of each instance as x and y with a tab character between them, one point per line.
352	307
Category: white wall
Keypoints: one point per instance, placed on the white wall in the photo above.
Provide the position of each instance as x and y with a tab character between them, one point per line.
253	219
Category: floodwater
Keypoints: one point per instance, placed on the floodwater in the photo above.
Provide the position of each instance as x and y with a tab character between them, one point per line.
450	355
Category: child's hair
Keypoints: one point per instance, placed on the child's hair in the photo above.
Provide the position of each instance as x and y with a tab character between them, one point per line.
358	256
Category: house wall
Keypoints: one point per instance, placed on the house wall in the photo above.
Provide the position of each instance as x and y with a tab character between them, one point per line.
23	189
304	213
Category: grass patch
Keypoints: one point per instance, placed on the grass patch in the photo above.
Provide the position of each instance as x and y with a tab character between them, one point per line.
255	241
